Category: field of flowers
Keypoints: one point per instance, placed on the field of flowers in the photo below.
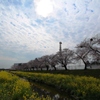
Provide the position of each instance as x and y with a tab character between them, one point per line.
80	87
14	88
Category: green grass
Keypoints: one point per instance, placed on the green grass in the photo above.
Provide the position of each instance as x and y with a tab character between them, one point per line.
90	72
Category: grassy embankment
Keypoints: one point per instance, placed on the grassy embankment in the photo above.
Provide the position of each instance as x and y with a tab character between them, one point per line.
90	72
78	84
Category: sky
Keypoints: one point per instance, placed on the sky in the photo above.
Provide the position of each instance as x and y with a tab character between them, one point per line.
32	28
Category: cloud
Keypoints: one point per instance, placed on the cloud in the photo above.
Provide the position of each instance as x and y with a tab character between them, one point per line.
7	58
31	29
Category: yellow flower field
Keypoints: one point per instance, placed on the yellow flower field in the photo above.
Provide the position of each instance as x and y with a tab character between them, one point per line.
81	87
14	88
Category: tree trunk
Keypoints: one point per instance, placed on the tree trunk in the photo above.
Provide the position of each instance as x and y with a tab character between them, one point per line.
65	66
41	69
54	68
47	67
32	68
85	68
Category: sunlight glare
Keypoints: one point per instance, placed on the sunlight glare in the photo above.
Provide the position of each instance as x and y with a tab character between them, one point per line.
44	7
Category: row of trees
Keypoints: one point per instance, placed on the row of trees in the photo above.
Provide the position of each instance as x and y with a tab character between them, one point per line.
88	51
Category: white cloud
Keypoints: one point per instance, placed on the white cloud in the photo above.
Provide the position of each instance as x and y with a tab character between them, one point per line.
40	28
23	34
7	58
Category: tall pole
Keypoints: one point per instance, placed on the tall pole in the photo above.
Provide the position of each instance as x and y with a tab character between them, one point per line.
60	49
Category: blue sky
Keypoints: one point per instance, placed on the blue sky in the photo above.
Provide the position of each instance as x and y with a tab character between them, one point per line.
33	28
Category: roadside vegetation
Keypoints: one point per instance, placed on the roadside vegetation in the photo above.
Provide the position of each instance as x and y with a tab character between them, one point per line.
80	87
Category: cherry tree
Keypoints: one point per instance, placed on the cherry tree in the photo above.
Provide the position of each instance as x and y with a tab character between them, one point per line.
89	47
82	53
53	61
65	57
45	62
